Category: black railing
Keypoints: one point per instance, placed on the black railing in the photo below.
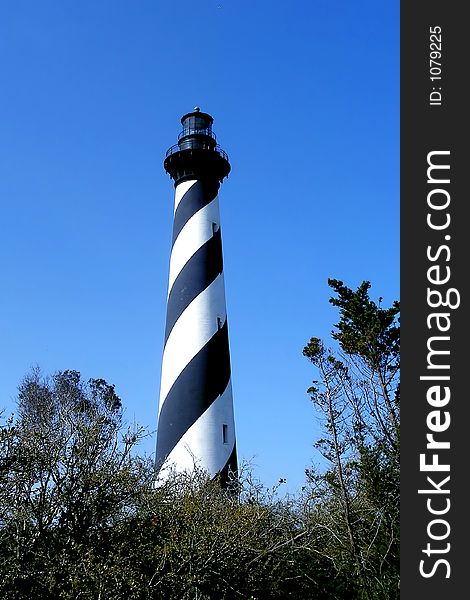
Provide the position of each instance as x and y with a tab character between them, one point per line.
196	145
193	131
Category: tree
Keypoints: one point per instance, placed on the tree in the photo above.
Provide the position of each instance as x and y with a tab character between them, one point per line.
358	395
70	479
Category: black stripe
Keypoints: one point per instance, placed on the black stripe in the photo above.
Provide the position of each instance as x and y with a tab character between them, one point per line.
203	380
199	195
196	275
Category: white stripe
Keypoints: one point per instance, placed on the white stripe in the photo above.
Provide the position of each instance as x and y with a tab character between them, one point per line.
196	232
202	444
181	190
191	332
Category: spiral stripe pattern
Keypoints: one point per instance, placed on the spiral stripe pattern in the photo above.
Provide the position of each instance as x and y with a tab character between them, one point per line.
195	422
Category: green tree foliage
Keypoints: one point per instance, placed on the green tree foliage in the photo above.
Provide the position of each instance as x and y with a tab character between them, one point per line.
80	516
68	480
357	498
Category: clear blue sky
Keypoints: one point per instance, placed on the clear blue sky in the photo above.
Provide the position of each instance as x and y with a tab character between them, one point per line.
305	99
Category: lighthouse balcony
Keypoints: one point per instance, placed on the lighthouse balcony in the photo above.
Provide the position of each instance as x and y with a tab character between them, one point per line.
196	144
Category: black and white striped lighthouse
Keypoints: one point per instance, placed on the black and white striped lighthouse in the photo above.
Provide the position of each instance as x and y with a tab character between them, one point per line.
195	417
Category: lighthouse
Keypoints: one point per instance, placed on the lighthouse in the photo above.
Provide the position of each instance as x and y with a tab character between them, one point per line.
196	427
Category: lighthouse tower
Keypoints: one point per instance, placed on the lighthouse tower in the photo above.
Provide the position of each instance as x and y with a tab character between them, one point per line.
195	418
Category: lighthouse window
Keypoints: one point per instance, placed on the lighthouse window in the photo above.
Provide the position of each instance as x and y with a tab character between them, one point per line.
219	323
225	433
215	228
